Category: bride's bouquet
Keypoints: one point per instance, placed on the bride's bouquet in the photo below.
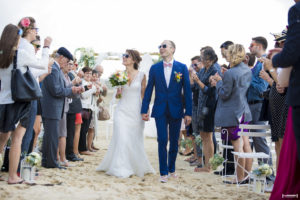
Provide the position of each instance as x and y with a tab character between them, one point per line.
118	79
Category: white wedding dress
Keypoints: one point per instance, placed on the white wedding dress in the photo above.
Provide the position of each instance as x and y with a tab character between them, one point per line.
126	154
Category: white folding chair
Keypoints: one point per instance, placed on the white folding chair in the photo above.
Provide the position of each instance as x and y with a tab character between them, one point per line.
225	147
249	130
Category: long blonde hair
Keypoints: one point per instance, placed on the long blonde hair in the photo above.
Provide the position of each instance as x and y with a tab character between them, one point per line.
236	54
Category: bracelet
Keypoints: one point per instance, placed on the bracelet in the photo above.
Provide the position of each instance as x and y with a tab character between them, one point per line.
272	70
46	47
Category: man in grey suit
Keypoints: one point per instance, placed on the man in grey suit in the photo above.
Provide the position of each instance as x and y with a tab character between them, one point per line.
54	92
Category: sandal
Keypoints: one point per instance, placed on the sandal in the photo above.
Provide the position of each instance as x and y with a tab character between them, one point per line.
190	159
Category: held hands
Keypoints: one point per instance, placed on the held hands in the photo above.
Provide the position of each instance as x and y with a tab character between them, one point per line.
47	41
145	117
187	120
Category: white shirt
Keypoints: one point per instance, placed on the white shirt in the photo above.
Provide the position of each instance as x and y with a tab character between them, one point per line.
26	57
87	96
168	71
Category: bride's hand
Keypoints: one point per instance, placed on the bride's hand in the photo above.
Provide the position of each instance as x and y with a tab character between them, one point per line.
145	117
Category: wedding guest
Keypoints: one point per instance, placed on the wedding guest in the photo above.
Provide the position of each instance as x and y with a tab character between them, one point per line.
86	100
255	99
206	105
27	57
232	105
227	152
74	121
95	99
54	93
288	176
197	65
63	122
277	99
11	113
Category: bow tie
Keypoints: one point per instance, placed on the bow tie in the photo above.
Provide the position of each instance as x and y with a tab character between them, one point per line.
167	64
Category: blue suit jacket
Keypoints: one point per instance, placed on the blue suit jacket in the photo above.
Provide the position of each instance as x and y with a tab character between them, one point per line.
168	99
54	92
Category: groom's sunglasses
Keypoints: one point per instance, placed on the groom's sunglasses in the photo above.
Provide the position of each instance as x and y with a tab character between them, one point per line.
162	46
125	55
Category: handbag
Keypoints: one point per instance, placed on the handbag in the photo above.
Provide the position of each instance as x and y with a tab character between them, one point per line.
103	113
24	87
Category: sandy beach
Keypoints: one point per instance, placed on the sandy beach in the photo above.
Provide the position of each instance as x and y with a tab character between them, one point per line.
83	182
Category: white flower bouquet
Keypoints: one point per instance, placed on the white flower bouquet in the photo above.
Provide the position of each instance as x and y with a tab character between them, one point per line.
263	170
118	79
33	159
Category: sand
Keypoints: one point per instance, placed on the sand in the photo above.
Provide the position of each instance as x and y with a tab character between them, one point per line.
83	182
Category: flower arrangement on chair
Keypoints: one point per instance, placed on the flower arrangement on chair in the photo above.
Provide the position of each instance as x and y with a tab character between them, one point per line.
28	165
216	161
263	170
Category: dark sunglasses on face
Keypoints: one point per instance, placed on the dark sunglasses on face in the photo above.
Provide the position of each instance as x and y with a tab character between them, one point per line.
196	64
37	46
162	46
125	55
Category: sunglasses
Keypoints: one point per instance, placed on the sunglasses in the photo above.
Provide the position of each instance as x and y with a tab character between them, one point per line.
162	46
37	46
36	29
125	55
196	64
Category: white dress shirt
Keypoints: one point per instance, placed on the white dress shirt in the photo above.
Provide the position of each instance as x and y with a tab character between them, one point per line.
168	71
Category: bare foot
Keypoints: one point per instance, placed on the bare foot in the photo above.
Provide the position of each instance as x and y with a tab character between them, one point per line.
86	153
15	180
202	169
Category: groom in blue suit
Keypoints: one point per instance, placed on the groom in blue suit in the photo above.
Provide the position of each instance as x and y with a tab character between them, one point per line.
171	81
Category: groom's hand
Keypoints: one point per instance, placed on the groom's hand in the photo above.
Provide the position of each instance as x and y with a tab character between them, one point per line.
187	120
145	117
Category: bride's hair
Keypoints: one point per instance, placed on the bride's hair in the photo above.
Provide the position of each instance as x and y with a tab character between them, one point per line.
135	55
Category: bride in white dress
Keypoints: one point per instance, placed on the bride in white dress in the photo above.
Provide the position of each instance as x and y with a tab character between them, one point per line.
126	154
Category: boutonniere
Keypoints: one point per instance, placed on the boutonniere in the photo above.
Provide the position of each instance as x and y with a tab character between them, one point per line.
178	76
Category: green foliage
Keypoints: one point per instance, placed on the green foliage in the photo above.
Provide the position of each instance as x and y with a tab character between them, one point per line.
186	143
216	161
198	140
87	57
